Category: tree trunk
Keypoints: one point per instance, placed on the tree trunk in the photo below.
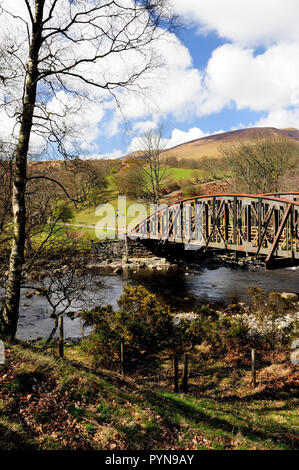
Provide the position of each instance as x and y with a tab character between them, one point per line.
54	329
10	311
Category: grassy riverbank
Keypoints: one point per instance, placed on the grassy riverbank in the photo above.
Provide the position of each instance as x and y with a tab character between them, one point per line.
46	403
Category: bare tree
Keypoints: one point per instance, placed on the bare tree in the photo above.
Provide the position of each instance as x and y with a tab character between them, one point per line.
153	163
259	165
84	182
64	291
66	49
130	180
144	175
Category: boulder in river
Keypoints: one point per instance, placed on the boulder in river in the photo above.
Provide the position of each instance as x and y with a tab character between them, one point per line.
118	271
289	296
41	291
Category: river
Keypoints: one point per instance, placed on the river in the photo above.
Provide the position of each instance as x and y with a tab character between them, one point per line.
179	288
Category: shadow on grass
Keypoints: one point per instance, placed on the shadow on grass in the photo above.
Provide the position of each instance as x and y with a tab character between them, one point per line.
13	440
173	408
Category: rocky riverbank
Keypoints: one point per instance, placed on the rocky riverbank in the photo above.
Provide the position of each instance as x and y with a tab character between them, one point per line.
88	262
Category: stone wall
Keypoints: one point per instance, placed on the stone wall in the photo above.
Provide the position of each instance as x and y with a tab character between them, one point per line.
119	248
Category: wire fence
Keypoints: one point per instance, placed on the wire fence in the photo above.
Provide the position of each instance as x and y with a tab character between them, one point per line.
168	367
171	366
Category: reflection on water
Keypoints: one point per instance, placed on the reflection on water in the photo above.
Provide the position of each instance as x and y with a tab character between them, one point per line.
222	285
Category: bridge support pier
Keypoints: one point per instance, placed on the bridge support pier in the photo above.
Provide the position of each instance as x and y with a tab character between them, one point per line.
238	254
276	263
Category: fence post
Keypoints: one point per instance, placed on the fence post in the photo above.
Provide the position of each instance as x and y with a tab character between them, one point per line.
253	368
61	337
185	372
2	355
122	358
176	372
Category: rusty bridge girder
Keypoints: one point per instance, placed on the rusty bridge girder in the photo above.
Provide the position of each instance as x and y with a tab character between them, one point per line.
264	225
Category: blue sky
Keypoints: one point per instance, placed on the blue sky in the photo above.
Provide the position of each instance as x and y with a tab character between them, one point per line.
242	71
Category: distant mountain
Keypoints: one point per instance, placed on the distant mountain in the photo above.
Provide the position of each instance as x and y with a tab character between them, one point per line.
210	146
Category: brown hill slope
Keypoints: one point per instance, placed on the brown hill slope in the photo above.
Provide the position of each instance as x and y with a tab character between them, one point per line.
210	146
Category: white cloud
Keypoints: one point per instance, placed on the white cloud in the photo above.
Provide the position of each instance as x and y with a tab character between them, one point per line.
144	126
81	116
112	126
172	89
249	22
109	156
282	118
235	74
134	145
180	137
7	125
17	8
264	82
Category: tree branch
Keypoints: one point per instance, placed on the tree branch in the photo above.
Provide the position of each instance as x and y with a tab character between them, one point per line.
29	11
76	201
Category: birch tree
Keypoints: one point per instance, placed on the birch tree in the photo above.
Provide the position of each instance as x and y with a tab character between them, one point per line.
56	56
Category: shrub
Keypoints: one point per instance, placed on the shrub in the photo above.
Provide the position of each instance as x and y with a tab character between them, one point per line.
142	323
222	331
191	191
62	211
225	333
103	343
270	323
271	320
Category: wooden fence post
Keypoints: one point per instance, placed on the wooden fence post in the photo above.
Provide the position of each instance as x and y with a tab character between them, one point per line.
185	373
61	337
176	372
122	358
253	369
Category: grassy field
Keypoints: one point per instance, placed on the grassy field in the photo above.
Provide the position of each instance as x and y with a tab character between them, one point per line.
89	217
82	228
49	404
63	237
113	217
179	174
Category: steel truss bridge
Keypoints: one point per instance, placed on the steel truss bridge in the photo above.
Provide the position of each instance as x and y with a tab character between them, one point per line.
263	225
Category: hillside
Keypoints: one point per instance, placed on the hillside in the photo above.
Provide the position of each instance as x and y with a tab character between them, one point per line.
49	404
205	146
210	146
